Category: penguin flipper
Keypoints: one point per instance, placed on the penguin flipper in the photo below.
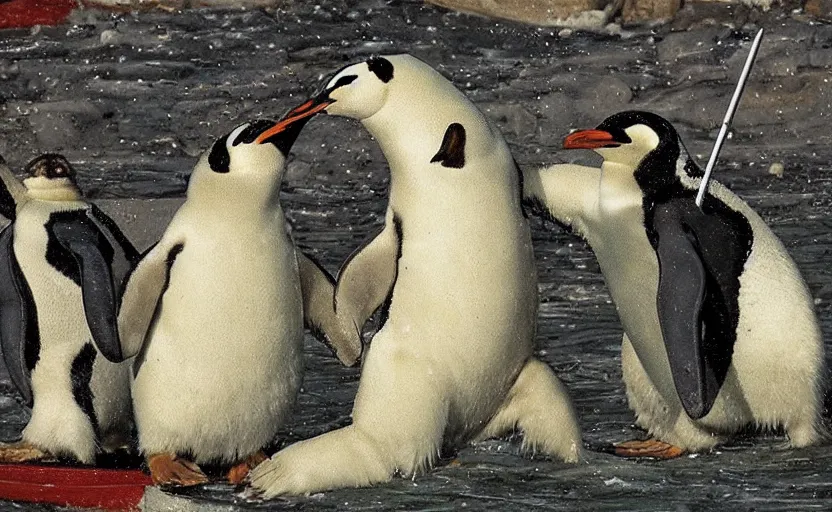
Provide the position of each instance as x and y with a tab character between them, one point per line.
366	280
12	192
562	193
111	229
318	289
18	319
680	299
82	237
143	289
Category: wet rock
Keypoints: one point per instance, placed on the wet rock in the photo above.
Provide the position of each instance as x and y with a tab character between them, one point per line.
512	118
777	57
688	46
636	11
539	12
297	171
54	131
607	95
8	69
820	58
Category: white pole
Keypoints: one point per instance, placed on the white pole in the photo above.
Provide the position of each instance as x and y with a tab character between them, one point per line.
732	108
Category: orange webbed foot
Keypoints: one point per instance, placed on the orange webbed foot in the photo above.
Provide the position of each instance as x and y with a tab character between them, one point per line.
238	473
652	448
169	469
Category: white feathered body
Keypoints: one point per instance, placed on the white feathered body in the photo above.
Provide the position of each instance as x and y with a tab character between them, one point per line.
222	363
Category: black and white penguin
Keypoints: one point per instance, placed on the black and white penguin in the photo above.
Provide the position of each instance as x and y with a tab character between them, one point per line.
62	261
214	313
454	269
720	329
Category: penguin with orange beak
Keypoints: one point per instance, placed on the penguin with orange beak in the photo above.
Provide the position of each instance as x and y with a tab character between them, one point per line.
720	331
214	315
453	269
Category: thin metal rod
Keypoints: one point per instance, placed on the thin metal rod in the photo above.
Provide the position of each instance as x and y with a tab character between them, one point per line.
732	108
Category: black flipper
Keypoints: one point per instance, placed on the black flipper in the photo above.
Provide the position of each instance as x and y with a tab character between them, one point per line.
452	151
680	298
700	251
108	225
81	237
19	336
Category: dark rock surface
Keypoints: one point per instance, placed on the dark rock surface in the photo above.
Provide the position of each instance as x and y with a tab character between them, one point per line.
133	99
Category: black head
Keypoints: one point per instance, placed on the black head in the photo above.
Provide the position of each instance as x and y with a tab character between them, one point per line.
259	131
642	141
51	166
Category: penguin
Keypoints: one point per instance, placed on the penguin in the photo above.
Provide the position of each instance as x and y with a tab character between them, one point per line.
720	331
214	314
453	273
61	265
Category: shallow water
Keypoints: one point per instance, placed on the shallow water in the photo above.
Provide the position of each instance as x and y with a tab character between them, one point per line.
131	100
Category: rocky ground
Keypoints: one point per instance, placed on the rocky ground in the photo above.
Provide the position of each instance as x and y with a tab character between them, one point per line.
132	100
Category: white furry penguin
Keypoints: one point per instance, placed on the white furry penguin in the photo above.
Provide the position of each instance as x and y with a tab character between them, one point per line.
61	263
720	329
454	268
215	313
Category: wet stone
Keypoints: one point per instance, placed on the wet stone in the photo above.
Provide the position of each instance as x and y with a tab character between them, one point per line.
512	118
688	46
608	94
54	131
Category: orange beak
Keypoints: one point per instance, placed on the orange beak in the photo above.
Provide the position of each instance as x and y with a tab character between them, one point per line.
590	139
308	109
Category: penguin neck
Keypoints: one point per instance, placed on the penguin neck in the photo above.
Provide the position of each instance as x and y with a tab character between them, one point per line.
249	201
46	189
410	126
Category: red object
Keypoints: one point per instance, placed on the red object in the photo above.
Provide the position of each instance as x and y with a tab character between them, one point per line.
110	489
28	13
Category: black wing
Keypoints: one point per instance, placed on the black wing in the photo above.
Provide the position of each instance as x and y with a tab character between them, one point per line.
82	237
702	253
680	297
19	336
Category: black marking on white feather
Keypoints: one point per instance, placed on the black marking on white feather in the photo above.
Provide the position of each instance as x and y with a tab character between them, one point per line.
382	68
219	160
81	376
452	151
170	260
384	312
343	81
520	185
